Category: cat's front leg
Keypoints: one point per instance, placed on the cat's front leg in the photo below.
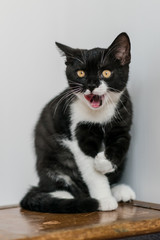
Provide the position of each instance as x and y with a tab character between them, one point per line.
102	164
97	183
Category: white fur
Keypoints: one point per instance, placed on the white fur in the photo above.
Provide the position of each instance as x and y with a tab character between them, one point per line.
87	92
101	90
123	193
102	164
97	183
82	112
62	195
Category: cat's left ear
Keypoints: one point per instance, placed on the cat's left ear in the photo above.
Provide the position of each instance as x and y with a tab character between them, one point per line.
120	49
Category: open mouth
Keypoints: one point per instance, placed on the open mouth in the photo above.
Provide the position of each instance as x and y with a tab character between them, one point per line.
95	101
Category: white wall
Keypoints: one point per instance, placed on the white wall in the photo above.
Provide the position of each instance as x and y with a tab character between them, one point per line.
32	72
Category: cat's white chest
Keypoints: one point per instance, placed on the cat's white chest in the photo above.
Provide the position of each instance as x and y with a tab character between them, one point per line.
82	113
96	182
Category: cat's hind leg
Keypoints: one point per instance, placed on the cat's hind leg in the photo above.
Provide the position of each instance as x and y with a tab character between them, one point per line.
57	202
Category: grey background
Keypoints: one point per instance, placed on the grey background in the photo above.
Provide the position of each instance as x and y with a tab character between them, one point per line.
32	72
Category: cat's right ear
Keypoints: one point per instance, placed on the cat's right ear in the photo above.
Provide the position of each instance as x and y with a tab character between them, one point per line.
65	50
68	52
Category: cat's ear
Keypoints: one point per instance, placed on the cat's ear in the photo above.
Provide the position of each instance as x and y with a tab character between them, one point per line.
120	49
70	53
66	51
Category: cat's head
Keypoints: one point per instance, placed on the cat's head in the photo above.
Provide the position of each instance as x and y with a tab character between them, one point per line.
97	75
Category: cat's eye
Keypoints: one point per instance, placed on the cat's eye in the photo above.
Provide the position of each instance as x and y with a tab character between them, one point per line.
80	73
106	73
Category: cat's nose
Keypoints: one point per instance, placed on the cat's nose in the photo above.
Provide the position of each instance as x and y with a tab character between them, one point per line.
91	86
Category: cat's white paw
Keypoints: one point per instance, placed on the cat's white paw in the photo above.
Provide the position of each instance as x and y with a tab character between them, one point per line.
123	193
108	204
102	165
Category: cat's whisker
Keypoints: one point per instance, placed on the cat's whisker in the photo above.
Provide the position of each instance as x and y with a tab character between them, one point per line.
76	90
53	101
68	102
71	97
76	83
75	87
115	90
109	101
66	95
124	107
122	101
118	117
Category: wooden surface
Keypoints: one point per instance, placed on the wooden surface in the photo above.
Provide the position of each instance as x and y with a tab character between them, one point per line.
128	220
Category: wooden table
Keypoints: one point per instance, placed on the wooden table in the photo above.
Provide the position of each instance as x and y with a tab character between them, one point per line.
132	219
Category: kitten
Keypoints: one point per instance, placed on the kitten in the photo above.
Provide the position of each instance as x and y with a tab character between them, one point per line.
82	136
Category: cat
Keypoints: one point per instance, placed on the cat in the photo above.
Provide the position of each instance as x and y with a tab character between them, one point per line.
82	135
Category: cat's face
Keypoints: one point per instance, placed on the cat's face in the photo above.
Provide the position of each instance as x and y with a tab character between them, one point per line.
98	75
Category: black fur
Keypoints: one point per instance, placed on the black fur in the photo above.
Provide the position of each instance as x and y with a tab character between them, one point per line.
36	200
53	158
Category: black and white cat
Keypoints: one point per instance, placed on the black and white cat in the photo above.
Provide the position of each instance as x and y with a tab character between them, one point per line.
82	136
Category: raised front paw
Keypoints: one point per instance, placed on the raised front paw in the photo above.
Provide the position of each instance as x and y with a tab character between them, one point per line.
108	204
103	165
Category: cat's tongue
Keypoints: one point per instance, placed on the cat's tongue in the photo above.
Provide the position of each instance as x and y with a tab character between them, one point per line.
95	100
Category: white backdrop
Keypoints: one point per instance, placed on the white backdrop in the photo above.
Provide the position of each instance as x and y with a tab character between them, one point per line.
32	72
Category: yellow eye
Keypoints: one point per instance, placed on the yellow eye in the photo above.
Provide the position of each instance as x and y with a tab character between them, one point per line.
80	73
106	73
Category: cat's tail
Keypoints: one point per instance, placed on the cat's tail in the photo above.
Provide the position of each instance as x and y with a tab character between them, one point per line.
36	200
